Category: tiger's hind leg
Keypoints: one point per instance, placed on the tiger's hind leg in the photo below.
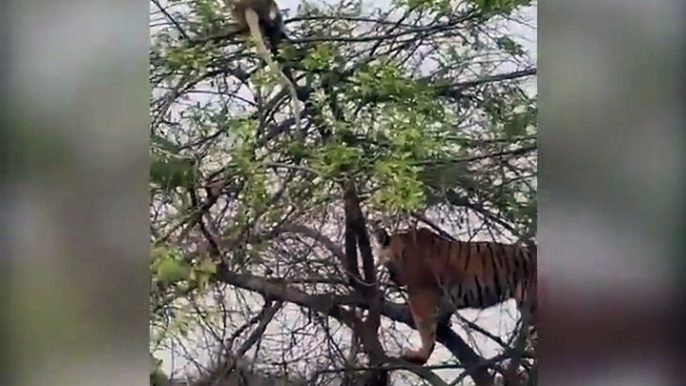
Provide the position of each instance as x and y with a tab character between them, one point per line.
527	305
423	306
530	331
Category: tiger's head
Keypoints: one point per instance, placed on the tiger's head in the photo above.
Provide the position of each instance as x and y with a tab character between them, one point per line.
386	256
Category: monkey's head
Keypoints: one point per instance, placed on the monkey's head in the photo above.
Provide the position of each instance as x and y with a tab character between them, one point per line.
267	12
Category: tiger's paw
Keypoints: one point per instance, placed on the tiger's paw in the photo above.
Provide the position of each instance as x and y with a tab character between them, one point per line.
416	357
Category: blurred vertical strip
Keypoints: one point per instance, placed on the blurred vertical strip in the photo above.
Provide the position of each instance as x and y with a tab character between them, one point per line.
75	208
611	191
6	140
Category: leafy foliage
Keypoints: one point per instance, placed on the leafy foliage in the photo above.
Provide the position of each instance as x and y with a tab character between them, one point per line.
424	108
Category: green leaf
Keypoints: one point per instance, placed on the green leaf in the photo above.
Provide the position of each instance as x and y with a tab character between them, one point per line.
171	271
516	126
171	173
510	46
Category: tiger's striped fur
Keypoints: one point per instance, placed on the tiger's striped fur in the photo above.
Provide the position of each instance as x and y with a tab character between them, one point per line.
437	270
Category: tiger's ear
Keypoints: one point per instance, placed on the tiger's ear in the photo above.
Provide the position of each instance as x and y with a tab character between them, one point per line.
382	237
380	234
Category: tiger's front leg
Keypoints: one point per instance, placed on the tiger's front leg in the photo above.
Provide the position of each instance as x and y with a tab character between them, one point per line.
423	304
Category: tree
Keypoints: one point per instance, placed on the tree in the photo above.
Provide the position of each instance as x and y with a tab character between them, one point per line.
417	112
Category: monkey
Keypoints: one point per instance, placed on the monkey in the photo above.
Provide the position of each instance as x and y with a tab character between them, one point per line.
264	15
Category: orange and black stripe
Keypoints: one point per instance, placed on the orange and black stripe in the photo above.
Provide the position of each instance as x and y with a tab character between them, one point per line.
477	274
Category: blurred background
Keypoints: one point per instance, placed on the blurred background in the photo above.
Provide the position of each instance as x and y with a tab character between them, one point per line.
75	224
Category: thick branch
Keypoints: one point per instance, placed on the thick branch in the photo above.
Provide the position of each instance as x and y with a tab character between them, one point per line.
330	305
454	90
447	337
282	291
356	234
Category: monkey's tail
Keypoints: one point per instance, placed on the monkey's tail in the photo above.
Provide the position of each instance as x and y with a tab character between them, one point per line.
252	19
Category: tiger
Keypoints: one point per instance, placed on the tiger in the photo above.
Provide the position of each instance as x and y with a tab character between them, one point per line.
438	271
